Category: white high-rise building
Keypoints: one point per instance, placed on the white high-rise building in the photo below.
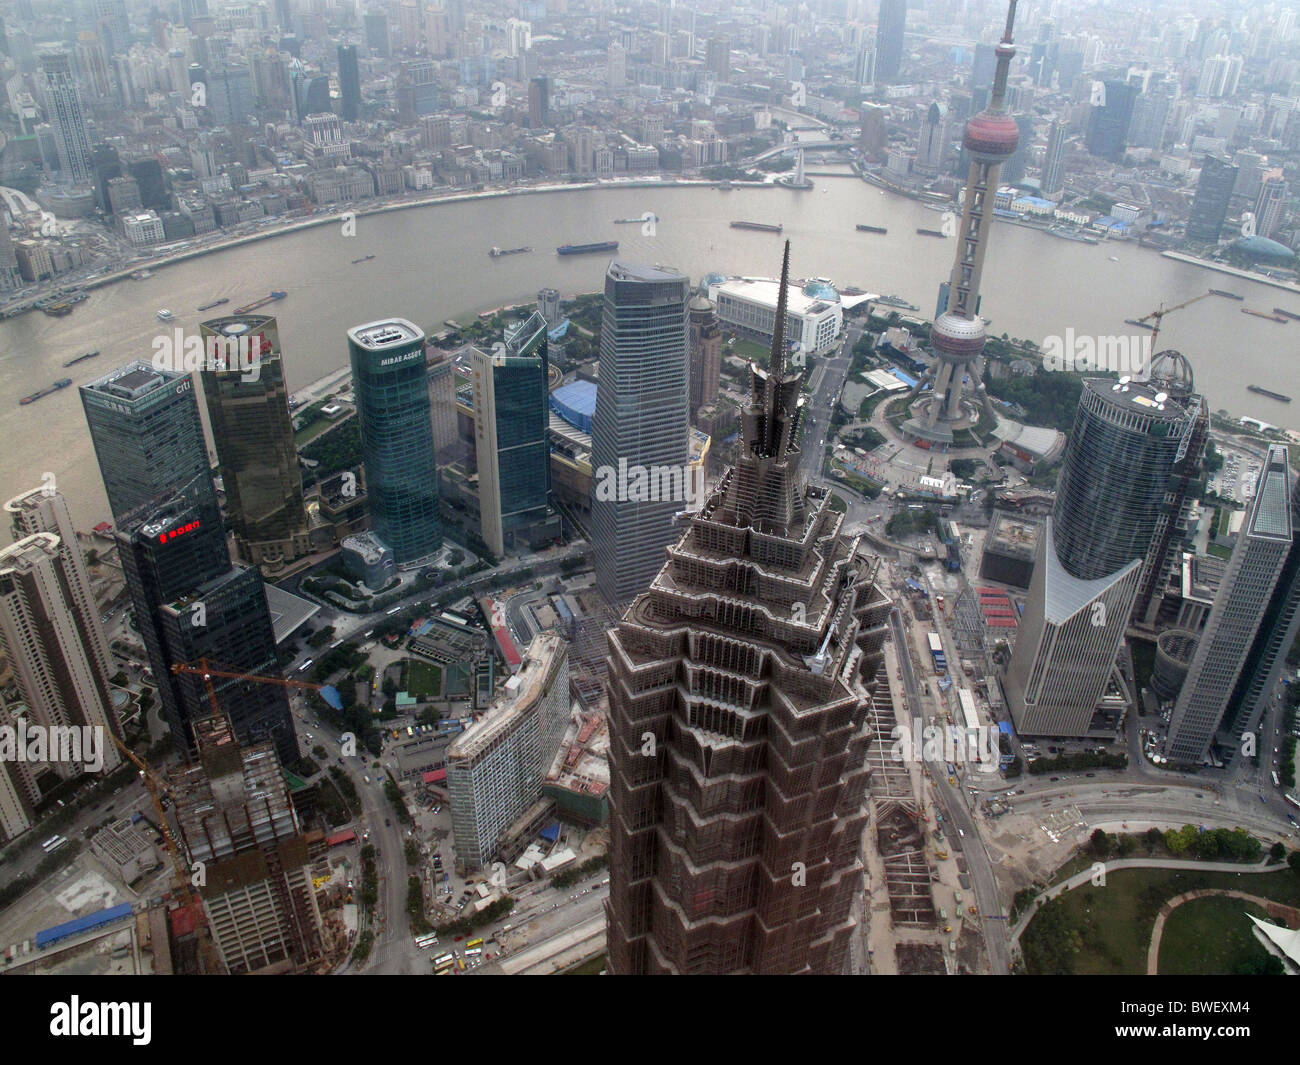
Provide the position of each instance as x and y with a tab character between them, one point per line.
496	768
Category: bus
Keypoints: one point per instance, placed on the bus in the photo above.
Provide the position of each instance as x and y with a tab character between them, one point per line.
1277	781
306	664
426	941
49	843
443	961
473	943
473	952
59	841
1292	800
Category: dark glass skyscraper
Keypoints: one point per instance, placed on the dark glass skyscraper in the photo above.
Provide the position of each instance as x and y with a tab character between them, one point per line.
512	435
1237	660
1108	122
890	28
191	603
144	423
641	423
392	394
249	414
349	83
1210	205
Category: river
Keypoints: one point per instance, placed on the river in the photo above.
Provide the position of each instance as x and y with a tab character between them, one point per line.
431	263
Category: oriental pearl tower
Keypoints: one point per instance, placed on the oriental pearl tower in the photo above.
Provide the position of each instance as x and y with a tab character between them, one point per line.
958	334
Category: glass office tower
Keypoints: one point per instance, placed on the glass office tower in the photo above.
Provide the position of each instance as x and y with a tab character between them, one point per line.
511	431
1123	447
392	396
641	420
253	430
144	423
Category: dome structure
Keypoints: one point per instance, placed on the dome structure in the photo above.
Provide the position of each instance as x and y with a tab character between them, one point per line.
820	290
1172	373
714	278
1262	247
958	338
991	137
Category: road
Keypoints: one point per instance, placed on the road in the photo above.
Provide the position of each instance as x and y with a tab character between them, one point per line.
971	844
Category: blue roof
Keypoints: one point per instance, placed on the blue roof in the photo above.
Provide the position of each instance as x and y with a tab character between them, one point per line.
1005	726
331	695
551	832
909	381
558	333
575	403
82	924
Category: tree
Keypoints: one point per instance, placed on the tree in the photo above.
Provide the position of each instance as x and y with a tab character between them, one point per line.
1293	860
1277	852
1100	844
1154	838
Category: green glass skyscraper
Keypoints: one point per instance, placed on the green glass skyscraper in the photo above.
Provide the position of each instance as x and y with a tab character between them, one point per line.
392	396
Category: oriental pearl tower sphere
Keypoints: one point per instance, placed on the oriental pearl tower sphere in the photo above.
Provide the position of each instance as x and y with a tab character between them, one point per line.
958	335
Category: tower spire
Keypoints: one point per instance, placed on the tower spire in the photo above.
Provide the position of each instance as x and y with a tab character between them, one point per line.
776	363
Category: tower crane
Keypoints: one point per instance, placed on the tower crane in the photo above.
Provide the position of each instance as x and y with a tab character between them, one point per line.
157	785
1159	315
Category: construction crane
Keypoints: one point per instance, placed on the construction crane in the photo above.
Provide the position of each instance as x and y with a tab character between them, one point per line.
156	786
205	669
1160	313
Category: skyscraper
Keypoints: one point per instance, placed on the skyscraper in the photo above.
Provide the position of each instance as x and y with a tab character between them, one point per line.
392	393
933	139
42	510
349	83
1271	204
737	692
377	37
1171	373
539	102
235	816
144	423
1210	204
190	603
705	338
1240	612
1126	440
249	414
52	638
512	440
1108	121
1054	160
67	115
958	335
641	421
890	27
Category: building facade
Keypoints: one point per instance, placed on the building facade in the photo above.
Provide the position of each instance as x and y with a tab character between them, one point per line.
495	769
235	816
1240	610
511	437
1118	462
641	421
392	394
148	436
248	410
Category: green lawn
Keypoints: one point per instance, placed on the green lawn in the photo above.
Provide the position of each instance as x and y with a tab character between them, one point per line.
423	679
1106	930
749	350
1211	937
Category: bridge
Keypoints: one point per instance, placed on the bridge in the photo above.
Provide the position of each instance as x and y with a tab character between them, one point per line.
794	146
